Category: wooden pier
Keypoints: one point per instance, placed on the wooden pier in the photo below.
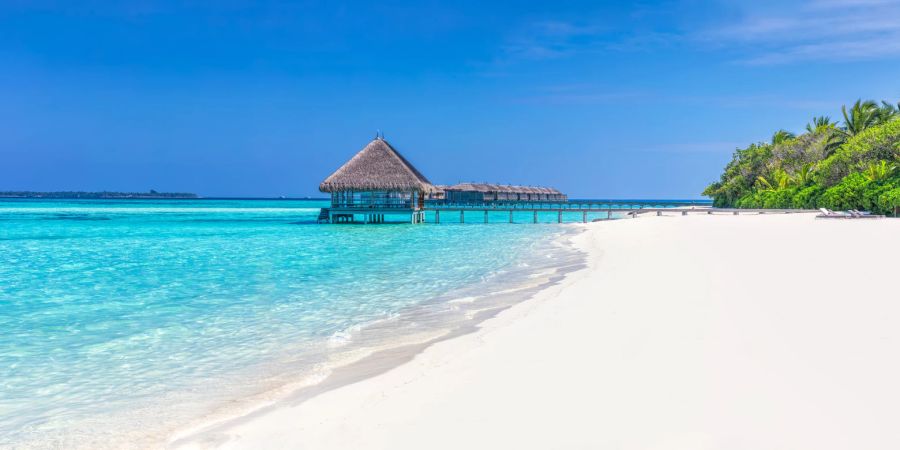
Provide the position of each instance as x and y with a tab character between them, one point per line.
585	210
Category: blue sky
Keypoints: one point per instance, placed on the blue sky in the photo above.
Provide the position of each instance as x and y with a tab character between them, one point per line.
599	99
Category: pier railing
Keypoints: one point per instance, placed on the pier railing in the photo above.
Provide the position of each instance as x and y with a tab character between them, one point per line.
566	205
587	213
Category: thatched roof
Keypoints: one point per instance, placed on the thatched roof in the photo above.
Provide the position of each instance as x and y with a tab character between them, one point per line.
377	167
487	187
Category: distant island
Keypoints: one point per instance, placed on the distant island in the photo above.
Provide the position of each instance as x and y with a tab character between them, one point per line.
97	195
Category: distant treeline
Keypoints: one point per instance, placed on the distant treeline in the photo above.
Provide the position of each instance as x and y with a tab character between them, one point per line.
96	195
852	164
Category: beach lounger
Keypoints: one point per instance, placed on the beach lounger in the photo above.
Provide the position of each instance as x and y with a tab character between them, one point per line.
829	214
864	214
850	214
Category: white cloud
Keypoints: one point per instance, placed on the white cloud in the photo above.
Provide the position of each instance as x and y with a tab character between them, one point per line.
821	30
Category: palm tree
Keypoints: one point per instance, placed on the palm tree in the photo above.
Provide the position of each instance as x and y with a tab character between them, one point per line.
818	123
782	136
887	111
782	179
879	171
862	115
804	175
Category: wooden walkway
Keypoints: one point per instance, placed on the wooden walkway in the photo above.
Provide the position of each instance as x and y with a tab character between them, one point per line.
627	212
589	211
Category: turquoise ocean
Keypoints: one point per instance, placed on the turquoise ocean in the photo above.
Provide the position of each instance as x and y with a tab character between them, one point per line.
124	321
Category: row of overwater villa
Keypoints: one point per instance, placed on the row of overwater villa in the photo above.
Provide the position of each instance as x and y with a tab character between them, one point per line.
378	183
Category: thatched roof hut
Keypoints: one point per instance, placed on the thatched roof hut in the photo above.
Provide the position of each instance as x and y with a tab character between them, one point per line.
377	167
489	187
478	192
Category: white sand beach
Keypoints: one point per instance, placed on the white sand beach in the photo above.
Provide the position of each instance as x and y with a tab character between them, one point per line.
697	332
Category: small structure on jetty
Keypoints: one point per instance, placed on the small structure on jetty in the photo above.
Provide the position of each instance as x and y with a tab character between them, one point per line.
485	193
378	181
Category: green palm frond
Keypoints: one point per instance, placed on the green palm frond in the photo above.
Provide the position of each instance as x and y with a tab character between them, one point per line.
763	183
819	123
804	175
862	115
782	136
876	171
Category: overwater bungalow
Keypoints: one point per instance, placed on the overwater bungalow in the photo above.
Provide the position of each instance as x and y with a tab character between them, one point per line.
486	193
377	182
438	194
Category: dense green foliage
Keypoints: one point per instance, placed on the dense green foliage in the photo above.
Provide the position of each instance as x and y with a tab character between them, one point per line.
853	165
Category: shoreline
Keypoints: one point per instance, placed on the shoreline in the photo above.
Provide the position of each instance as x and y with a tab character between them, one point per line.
690	357
206	432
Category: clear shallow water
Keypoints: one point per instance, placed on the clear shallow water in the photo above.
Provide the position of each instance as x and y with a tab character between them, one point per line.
123	320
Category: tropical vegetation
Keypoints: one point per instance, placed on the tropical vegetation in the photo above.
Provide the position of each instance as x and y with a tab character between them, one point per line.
851	164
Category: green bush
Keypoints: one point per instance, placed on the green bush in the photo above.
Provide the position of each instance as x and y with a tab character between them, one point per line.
877	143
807	198
856	191
889	201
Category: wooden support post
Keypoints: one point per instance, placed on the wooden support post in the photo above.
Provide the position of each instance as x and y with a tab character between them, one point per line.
608	215
485	216
559	218
462	216
510	216
437	217
584	217
535	217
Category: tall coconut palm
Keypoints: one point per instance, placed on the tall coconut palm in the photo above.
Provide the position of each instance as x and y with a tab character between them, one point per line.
862	115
